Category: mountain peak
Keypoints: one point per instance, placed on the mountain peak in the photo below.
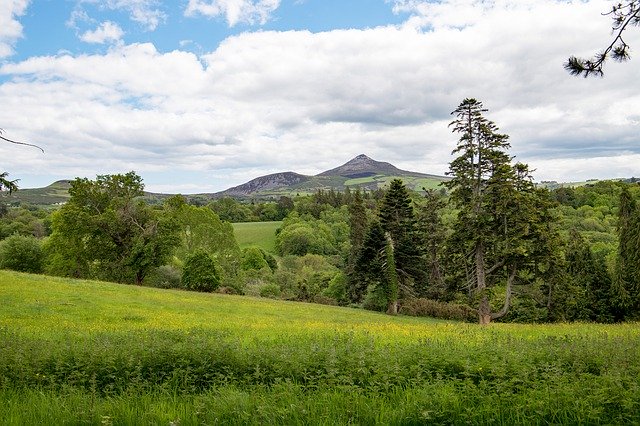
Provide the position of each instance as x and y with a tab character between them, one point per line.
361	166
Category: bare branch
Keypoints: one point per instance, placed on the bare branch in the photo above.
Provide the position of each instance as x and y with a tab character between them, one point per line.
18	143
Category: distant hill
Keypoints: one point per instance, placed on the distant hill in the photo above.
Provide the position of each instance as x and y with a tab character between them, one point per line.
56	193
360	172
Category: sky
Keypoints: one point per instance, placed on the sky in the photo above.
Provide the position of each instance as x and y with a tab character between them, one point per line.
201	95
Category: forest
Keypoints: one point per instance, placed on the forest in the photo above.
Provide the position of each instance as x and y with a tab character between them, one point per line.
490	244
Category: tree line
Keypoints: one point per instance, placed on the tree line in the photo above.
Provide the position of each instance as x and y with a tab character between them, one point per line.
489	245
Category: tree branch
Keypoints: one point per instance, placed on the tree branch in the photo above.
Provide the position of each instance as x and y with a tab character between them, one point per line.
618	47
18	143
507	301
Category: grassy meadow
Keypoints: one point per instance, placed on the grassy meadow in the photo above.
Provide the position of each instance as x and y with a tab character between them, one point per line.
81	352
258	234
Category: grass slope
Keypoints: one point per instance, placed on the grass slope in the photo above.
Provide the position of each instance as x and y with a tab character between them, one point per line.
116	354
259	234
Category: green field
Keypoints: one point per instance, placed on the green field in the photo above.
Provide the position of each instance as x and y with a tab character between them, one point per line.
82	352
258	234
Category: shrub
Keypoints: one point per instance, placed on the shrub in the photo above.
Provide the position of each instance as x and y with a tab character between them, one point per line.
252	258
436	309
337	289
199	272
271	291
165	276
21	253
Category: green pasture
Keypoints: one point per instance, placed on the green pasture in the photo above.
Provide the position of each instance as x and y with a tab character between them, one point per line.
259	234
83	352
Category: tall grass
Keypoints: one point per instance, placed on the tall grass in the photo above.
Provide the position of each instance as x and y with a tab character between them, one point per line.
108	353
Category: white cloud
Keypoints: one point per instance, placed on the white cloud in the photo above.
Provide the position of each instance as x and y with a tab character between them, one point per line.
234	11
105	33
10	27
272	101
145	12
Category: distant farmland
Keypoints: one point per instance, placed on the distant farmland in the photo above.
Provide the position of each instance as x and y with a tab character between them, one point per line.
258	234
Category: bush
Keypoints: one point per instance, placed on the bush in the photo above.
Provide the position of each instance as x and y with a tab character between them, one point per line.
199	272
435	309
271	291
21	253
252	258
165	276
337	289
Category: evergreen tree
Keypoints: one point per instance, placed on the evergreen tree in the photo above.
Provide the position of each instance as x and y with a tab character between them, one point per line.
390	283
6	184
369	270
626	292
398	220
498	225
624	14
358	225
432	234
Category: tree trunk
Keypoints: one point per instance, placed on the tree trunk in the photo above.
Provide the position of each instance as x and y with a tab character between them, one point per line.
507	300
484	309
392	309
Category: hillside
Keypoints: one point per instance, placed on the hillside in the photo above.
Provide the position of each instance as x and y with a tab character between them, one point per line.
360	172
116	354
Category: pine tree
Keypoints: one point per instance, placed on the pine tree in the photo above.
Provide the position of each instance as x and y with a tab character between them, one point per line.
432	234
398	220
626	292
358	225
498	224
369	269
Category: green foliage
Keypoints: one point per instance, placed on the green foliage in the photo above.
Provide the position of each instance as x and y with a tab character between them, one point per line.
420	307
162	355
165	276
21	253
6	184
231	210
252	258
369	268
432	234
626	292
105	232
199	272
398	221
24	221
503	230
271	291
337	289
201	229
306	235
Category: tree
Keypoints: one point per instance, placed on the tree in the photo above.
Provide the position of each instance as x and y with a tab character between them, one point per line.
252	258
199	272
369	269
6	184
432	235
104	231
398	221
21	253
627	281
358	224
623	14
201	228
499	224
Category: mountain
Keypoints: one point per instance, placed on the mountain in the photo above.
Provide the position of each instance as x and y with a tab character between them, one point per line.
276	181
360	172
